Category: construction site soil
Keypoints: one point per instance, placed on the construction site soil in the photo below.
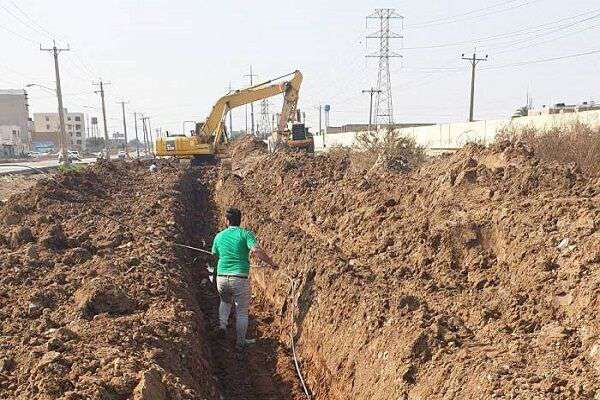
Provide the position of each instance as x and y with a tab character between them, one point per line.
12	184
473	277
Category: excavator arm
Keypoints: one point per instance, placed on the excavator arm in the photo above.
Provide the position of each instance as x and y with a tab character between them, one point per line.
214	127
209	136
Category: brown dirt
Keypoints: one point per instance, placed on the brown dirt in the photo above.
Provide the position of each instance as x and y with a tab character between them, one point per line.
267	372
94	309
13	184
476	276
473	277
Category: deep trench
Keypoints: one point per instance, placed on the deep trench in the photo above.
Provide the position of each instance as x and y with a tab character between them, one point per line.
267	370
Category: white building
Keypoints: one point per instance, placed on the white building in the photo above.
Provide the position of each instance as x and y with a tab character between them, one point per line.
48	124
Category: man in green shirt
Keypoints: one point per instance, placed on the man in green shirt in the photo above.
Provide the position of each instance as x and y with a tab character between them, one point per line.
233	246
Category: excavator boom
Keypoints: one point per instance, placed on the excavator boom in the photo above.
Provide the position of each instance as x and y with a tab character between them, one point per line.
214	123
210	137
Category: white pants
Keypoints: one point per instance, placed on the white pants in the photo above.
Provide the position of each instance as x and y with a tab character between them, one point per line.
234	290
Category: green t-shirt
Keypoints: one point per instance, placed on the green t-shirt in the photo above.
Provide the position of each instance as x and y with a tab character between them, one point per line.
232	246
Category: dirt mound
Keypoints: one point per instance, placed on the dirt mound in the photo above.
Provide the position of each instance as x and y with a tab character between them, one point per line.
246	146
474	276
95	309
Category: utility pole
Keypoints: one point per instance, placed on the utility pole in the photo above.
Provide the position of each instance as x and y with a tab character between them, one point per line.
144	134
101	91
124	125
320	110
474	61
251	104
371	92
63	140
147	134
137	141
150	137
383	104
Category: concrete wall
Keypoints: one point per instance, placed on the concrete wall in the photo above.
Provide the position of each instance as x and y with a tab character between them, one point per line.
455	135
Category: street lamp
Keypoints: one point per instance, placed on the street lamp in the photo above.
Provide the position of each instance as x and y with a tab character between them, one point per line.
42	86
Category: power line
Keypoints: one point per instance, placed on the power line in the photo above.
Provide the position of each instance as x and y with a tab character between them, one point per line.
474	17
464	14
18	34
543	60
539	29
33	21
28	25
535	44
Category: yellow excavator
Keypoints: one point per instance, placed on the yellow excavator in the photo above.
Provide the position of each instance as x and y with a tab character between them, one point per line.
210	137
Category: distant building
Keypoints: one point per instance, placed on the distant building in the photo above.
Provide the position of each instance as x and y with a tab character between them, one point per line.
46	128
562	108
14	122
10	141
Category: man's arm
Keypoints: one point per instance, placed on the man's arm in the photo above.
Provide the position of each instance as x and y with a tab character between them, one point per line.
259	253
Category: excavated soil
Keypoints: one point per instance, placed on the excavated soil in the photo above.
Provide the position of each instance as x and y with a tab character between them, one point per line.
475	277
13	184
97	302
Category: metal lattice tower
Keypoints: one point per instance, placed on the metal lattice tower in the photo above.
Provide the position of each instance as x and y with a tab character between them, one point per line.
383	104
264	125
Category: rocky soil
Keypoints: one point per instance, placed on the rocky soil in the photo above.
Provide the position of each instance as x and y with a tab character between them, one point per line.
98	302
475	277
13	184
94	300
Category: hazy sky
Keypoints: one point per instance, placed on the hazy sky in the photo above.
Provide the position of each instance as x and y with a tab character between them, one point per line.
173	59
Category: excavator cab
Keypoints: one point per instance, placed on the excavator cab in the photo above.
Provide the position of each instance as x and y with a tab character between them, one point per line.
301	138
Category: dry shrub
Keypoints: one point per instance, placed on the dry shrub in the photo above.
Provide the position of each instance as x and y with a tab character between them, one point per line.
389	150
575	143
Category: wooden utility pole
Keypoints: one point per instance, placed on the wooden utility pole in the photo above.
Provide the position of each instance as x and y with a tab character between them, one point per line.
63	140
137	140
124	125
474	61
101	91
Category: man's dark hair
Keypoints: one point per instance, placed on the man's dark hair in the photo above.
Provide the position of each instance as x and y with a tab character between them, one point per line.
234	216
